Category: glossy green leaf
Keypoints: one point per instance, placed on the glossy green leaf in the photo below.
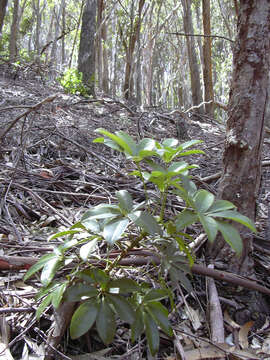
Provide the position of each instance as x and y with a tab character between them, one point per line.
160	314
57	295
125	200
108	142
128	140
190	143
221	205
39	265
237	217
146	221
231	236
137	326
178	276
114	229
88	249
44	304
102	211
84	318
177	167
152	333
50	269
91	225
122	307
191	152
203	200
210	227
100	276
78	291
105	322
146	144
185	218
170	142
123	286
63	233
118	140
155	295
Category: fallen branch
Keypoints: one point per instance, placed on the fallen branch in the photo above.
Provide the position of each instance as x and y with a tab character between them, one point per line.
32	108
20	263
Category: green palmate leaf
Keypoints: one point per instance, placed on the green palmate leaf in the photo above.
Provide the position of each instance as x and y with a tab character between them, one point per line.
146	221
99	276
102	211
105	322
185	218
39	265
170	142
183	247
177	167
235	216
84	318
125	200
128	140
91	225
50	269
210	226
146	144
191	152
63	233
160	314
155	295
203	199
155	166
114	229
231	236
57	294
88	249
137	326
118	140
152	333
78	291
122	307
45	302
123	286
220	205
108	142
178	276
190	143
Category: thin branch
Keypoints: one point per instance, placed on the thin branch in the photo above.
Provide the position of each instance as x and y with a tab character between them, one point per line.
201	35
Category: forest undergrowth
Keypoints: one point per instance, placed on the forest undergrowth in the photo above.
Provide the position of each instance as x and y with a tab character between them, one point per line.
52	172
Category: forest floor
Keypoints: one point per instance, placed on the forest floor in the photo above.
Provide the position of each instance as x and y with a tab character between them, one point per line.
52	172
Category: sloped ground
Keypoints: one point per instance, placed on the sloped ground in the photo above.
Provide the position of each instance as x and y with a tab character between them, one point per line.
51	173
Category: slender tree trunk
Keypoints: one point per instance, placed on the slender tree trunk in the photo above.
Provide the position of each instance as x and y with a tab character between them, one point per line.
207	55
14	32
63	45
192	57
86	59
3	7
245	126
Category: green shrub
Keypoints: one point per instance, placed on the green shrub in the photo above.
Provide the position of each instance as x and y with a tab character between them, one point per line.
105	294
71	81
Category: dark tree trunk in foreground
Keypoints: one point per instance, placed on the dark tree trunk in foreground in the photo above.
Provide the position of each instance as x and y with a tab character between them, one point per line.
245	127
86	59
3	7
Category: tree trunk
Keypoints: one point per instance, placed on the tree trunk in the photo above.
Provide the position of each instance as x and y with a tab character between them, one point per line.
14	32
245	126
3	7
207	55
192	57
86	58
